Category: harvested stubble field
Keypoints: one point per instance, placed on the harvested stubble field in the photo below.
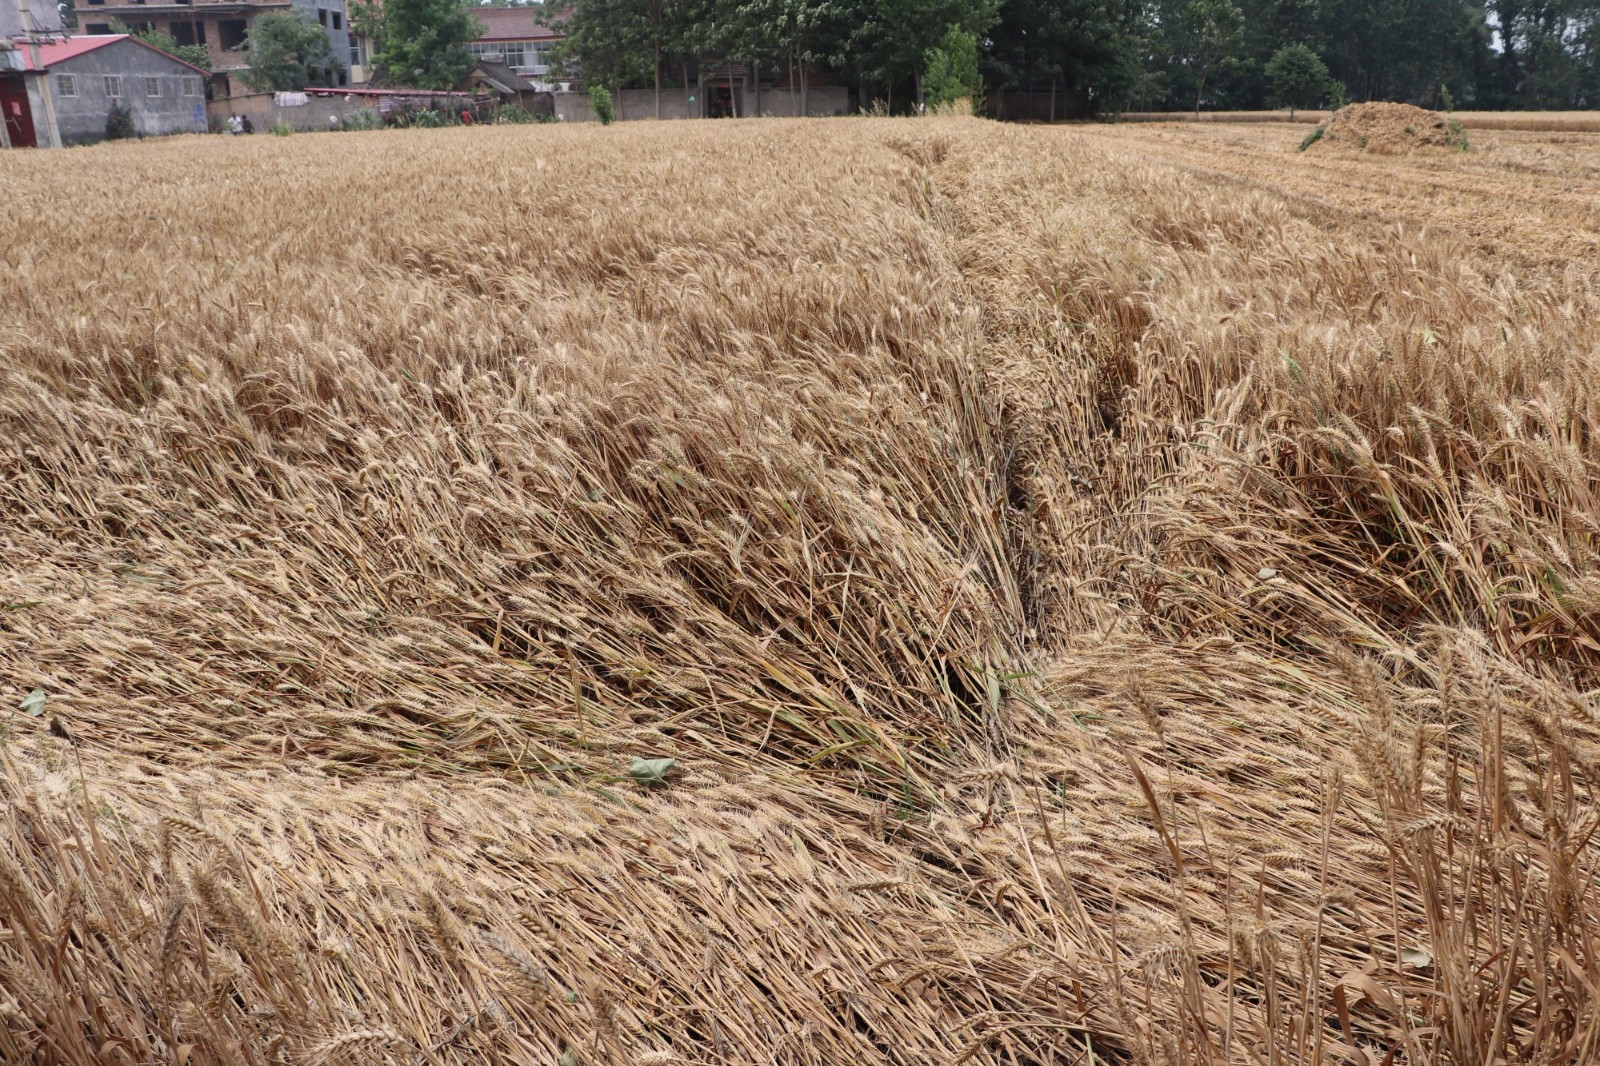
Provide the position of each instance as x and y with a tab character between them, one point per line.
1113	594
1539	121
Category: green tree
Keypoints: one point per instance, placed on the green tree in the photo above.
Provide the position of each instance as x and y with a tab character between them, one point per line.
193	54
1298	75
422	43
952	69
1206	35
895	37
804	35
1093	47
608	41
287	52
600	104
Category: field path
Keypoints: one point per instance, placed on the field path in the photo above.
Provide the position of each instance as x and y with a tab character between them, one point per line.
1531	199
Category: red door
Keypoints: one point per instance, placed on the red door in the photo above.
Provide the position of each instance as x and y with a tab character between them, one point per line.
17	114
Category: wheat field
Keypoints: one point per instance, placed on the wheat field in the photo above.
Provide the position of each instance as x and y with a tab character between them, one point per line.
1112	594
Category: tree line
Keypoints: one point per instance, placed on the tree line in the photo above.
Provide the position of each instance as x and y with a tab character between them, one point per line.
1101	56
1115	55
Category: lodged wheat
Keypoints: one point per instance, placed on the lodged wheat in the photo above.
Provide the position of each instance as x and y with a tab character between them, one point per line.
1112	594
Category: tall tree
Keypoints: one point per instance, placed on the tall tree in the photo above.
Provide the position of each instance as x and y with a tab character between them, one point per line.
895	37
287	53
607	40
1092	47
802	35
422	43
1203	35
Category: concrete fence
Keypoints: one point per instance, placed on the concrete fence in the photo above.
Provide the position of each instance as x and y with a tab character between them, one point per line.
632	104
263	113
1040	107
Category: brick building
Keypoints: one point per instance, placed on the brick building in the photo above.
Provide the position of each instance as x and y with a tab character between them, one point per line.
221	26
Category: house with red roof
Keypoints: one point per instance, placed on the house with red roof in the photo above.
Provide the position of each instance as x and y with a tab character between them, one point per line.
523	38
79	80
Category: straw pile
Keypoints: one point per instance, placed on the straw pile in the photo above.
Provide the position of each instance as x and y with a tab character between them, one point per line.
1390	129
1096	615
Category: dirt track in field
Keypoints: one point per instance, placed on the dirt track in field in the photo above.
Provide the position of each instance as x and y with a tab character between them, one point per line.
1531	199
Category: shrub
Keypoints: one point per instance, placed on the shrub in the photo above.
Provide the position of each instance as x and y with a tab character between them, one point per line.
194	54
280	128
119	124
600	104
961	107
1313	137
364	119
511	114
952	71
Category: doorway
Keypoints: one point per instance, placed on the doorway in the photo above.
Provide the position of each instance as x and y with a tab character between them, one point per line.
18	115
722	101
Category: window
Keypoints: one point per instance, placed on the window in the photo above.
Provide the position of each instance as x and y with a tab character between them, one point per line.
152	86
357	48
230	33
66	85
338	20
341	77
191	85
114	86
95	29
518	55
322	16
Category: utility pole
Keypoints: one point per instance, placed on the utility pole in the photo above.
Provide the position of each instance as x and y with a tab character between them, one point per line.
34	37
5	120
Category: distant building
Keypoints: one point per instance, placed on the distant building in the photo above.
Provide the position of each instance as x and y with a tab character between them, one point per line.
518	38
18	17
499	82
88	76
221	26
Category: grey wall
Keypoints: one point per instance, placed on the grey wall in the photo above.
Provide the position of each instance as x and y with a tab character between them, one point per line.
313	115
821	100
572	107
641	103
83	118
